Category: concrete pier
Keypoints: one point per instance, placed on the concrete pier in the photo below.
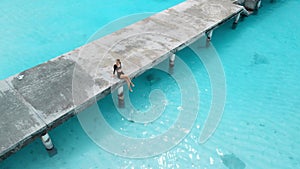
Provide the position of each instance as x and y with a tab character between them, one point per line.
50	93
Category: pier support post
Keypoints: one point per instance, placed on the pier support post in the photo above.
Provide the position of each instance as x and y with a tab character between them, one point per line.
252	5
257	6
171	63
208	37
48	144
234	25
121	102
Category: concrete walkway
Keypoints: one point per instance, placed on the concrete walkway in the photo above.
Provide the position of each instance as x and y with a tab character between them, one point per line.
50	93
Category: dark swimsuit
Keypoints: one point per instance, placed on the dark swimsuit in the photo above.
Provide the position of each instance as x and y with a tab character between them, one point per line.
116	68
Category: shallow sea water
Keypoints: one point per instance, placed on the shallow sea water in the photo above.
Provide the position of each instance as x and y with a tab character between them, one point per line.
260	123
34	32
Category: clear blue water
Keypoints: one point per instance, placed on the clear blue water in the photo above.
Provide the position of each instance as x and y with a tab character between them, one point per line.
34	32
261	119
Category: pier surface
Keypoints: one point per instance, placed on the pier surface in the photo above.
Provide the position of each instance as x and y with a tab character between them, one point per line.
50	93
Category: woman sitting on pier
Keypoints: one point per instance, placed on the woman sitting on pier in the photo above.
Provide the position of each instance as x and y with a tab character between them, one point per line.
121	75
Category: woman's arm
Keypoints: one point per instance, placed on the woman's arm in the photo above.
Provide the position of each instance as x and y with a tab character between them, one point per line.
115	67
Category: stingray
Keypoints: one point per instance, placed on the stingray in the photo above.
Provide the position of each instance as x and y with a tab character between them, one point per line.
259	59
232	162
152	79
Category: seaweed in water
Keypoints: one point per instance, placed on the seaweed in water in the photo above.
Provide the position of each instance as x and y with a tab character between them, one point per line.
232	162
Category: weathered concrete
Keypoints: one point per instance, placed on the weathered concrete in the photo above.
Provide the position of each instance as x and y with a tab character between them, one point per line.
52	92
18	120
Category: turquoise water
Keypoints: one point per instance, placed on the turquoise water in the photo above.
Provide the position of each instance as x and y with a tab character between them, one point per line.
261	119
33	32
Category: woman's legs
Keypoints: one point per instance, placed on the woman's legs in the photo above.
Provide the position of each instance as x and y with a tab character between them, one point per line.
128	81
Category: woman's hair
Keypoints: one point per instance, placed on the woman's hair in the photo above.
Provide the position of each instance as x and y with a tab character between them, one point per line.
118	60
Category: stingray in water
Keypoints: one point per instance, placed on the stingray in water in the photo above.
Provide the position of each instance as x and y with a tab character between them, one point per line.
232	162
259	59
152	79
